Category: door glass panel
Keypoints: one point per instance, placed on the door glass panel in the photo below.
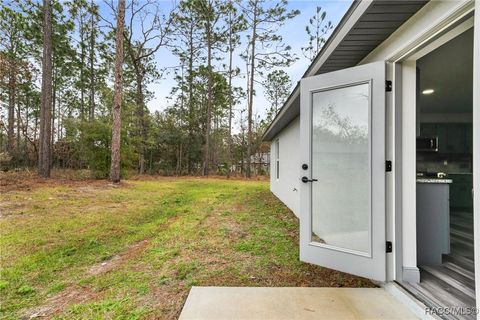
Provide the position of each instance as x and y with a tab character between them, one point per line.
341	163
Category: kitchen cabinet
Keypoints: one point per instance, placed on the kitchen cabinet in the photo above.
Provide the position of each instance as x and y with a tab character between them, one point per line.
461	191
433	221
469	138
442	133
454	138
428	129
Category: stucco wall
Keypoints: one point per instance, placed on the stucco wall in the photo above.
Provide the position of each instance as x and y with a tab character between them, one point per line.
286	187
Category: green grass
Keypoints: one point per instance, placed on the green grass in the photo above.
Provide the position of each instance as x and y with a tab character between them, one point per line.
157	238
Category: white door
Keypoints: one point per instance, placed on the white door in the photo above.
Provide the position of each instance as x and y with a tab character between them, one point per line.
342	223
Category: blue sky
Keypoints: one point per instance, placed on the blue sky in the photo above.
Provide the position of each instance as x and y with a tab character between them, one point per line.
294	35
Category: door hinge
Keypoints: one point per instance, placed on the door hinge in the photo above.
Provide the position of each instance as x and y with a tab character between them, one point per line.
389	247
388	85
388	165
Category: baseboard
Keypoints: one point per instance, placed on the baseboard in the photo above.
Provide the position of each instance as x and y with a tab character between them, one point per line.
411	274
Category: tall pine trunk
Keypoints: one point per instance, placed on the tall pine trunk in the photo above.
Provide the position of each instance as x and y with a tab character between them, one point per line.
19	125
142	132
46	99
191	117
117	98
91	102
11	105
82	68
230	93
250	92
206	161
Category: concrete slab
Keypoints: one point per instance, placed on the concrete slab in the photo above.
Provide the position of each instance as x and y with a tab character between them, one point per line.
292	303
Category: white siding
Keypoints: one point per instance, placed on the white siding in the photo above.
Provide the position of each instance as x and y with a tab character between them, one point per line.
286	187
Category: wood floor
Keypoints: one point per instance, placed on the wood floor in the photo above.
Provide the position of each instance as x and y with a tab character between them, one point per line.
461	233
453	283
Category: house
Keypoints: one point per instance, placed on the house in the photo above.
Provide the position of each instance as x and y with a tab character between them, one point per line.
377	149
260	162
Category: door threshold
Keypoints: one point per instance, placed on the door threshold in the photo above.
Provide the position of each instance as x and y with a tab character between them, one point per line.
433	297
407	298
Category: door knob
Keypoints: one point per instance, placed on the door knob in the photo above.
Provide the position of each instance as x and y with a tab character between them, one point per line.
305	180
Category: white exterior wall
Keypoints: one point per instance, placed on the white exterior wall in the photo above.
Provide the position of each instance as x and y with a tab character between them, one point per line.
398	49
287	186
433	18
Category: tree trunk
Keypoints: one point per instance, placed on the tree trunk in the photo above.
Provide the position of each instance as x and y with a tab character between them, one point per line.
59	120
191	131
230	94
46	99
18	127
27	119
36	128
82	67
141	118
54	107
91	102
11	105
117	98
250	92
206	160
179	160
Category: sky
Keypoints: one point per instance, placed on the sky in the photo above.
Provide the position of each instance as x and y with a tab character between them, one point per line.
293	33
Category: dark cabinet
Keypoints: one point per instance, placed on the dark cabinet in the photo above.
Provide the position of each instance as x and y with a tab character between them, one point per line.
442	133
456	138
461	191
428	129
469	138
452	137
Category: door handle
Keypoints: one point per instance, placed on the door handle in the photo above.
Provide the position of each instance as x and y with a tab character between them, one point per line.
305	180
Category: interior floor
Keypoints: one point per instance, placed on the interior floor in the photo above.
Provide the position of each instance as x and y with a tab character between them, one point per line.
461	232
453	283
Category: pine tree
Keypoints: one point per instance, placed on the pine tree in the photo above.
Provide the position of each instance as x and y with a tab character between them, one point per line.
44	154
317	31
118	91
277	89
265	50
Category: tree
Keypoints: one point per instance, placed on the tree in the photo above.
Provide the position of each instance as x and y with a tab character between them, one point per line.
265	49
12	48
316	31
188	47
235	24
44	155
93	37
209	13
277	89
141	44
196	131
117	98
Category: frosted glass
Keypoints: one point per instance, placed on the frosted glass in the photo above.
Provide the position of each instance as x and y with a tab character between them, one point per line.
341	163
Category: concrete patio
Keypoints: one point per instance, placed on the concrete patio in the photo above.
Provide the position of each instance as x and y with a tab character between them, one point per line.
292	303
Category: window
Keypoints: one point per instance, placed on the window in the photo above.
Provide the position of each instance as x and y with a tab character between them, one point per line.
277	158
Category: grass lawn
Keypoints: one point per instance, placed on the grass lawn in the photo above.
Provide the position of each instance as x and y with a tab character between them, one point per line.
88	249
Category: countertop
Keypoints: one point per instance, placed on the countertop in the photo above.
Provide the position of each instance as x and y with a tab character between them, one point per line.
433	180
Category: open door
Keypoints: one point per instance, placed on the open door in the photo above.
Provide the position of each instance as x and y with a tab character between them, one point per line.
342	138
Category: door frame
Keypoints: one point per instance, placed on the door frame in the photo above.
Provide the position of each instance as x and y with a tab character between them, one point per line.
476	148
400	113
404	70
